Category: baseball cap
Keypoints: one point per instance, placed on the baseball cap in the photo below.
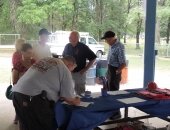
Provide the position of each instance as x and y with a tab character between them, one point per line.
44	31
108	34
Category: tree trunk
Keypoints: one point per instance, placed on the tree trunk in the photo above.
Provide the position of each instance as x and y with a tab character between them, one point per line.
75	15
99	16
97	9
157	32
137	40
49	21
124	37
64	23
161	2
168	31
119	35
52	22
1	4
139	26
138	30
128	10
18	27
13	18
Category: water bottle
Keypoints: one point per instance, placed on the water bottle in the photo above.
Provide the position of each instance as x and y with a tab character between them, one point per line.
104	89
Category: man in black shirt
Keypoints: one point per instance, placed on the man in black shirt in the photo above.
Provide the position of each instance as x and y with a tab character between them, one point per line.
81	53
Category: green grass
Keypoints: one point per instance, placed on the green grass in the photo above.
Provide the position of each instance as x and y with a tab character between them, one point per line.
130	49
162	64
135	61
134	56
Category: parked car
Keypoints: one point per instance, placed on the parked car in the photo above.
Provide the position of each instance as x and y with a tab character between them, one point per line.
59	39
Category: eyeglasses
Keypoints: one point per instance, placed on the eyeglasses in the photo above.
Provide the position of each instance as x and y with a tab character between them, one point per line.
71	65
74	65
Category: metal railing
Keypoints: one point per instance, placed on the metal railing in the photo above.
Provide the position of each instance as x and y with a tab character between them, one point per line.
8	39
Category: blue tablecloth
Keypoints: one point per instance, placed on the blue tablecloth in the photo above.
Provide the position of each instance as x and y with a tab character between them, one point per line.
86	118
160	109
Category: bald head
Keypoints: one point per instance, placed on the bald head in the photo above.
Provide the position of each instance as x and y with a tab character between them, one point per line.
74	38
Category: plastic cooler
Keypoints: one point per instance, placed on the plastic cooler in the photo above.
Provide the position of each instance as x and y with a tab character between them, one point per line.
91	76
101	68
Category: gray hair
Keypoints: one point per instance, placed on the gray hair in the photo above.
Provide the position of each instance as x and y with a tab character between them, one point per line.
69	59
75	32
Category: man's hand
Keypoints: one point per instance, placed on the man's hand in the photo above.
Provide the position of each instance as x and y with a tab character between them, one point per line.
77	101
87	66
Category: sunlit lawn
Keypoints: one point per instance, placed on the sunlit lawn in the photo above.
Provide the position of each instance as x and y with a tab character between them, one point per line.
134	56
138	62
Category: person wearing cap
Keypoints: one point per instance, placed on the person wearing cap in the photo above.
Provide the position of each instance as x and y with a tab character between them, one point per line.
116	62
81	53
42	50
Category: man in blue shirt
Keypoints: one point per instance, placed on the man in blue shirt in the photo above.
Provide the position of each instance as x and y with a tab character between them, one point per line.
81	53
116	62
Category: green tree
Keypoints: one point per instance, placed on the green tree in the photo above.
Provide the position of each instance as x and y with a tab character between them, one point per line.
129	5
164	16
5	25
124	17
135	19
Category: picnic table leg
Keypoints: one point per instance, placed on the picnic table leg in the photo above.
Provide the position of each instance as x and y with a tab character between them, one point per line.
126	112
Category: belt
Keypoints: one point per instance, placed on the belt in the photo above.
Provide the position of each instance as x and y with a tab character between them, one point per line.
112	66
42	95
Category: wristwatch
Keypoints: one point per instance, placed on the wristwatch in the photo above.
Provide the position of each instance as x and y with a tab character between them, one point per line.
117	71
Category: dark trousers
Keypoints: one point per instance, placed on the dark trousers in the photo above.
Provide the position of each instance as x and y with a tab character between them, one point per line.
113	83
113	78
34	113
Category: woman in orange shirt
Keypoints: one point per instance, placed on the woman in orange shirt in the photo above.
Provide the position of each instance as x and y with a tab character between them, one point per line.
17	56
22	65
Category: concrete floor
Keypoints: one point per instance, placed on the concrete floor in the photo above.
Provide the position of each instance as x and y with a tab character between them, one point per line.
156	123
6	111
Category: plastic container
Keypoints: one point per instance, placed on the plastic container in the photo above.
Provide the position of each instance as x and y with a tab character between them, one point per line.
91	73
104	92
101	64
90	81
87	94
101	68
91	76
124	76
101	72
